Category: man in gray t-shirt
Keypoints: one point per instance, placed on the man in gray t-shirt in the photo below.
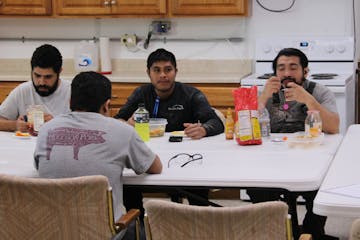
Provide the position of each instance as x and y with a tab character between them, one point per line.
89	142
45	88
288	96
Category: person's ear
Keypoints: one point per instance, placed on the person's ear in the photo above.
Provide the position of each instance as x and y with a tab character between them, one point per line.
148	72
306	71
105	108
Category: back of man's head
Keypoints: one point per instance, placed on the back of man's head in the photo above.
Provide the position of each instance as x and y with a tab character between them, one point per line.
89	91
47	56
289	52
161	55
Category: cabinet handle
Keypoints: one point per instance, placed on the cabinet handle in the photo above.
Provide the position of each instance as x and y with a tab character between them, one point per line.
113	2
106	3
114	97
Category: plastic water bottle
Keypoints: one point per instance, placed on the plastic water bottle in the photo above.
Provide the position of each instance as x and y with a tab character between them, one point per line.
313	124
86	57
141	118
264	120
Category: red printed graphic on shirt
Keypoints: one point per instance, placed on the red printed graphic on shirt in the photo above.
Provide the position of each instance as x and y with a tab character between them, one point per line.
75	137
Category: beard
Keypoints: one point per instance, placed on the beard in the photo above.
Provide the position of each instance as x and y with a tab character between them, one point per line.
50	89
286	80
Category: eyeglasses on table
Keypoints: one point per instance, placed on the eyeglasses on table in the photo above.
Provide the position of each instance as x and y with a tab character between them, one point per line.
183	159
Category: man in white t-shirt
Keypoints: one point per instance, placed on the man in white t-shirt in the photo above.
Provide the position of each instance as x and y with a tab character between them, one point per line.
45	88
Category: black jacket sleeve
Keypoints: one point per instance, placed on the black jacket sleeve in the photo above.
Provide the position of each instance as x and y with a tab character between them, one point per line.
206	115
131	105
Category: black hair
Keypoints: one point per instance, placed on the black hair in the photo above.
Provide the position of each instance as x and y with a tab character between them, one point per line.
47	56
161	55
291	52
89	90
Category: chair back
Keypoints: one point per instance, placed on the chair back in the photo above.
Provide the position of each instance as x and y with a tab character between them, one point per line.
355	230
168	220
68	208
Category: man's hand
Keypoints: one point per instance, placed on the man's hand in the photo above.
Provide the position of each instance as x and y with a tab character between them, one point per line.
272	85
295	92
131	121
47	117
194	130
21	125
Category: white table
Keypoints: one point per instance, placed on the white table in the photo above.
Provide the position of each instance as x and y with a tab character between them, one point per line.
224	164
344	172
17	155
227	164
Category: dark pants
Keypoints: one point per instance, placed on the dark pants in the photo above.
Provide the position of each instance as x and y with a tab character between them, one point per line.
312	223
202	193
133	198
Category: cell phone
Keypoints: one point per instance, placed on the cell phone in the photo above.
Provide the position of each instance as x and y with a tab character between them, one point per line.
175	138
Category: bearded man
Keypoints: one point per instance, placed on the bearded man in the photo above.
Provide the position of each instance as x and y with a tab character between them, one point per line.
288	95
45	89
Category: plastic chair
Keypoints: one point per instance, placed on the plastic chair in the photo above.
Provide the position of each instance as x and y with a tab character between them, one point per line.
355	230
67	208
168	220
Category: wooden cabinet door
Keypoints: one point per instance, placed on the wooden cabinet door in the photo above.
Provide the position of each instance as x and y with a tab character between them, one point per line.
110	7
25	7
82	7
138	7
6	88
208	7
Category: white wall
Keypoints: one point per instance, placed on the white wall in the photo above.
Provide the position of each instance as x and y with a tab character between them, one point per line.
307	17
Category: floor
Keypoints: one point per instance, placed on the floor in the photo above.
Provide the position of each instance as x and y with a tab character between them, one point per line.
335	226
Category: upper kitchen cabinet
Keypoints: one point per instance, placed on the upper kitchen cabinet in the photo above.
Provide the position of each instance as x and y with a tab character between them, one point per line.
208	7
25	7
113	8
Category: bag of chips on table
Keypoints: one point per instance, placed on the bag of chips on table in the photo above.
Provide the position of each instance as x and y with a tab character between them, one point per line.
247	127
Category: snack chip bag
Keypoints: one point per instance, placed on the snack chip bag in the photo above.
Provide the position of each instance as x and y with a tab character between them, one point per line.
247	130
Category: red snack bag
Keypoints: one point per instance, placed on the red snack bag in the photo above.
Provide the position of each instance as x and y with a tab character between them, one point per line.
247	127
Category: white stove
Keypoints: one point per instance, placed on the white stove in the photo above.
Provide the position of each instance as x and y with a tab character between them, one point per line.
333	56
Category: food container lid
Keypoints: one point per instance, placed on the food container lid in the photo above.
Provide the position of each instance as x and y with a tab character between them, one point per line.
158	121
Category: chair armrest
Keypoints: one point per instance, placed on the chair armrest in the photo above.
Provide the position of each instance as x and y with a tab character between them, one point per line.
305	237
127	218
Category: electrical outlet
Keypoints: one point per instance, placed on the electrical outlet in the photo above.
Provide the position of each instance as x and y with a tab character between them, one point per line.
129	40
161	27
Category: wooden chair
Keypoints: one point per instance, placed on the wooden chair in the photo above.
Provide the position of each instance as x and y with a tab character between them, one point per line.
68	208
168	220
355	230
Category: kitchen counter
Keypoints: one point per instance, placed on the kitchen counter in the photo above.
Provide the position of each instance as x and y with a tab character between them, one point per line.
134	70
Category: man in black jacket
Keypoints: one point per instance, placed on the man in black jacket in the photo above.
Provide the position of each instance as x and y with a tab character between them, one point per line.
185	108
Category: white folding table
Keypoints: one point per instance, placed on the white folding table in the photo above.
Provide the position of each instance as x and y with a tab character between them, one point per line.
339	194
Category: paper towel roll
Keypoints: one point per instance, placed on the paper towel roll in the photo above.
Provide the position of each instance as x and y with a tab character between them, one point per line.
105	60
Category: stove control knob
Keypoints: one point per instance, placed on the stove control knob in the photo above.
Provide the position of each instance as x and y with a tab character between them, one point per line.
340	48
266	48
329	48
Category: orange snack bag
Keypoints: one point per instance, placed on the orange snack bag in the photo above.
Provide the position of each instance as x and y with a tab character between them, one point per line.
247	130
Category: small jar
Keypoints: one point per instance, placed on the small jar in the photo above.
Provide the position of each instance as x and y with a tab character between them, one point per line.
313	124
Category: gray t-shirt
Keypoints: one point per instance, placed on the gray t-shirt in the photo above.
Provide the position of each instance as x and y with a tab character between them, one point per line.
25	95
292	117
84	143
